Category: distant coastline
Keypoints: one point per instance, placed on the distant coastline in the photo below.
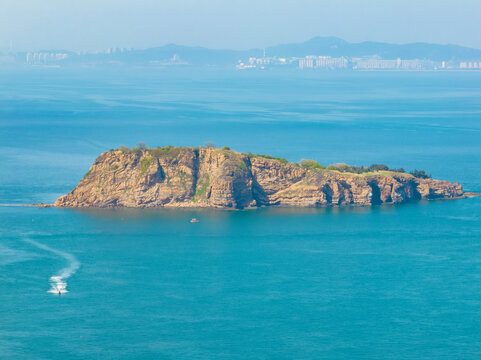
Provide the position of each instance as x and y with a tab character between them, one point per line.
319	53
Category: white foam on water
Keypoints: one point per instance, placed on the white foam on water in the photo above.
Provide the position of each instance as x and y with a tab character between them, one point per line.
58	282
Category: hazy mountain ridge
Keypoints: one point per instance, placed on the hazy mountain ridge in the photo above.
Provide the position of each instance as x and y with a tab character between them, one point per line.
333	46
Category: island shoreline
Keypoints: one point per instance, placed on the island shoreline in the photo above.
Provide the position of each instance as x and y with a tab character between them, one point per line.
196	178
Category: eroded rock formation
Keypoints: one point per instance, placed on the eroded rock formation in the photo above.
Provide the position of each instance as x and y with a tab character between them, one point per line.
188	177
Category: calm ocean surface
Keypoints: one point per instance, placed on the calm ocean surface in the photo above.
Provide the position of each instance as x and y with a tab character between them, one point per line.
389	282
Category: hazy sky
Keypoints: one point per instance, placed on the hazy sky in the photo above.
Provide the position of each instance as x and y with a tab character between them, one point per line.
237	24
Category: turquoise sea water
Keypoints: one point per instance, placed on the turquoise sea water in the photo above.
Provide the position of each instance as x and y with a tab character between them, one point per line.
389	282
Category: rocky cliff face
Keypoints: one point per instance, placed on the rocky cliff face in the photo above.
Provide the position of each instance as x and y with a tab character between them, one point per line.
188	177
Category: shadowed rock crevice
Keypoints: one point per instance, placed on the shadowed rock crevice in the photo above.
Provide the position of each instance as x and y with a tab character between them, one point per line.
195	173
375	193
188	177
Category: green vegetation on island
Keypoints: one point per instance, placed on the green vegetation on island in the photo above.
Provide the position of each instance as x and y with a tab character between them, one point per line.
171	150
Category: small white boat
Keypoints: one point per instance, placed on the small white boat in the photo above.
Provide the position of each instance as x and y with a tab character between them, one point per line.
194	220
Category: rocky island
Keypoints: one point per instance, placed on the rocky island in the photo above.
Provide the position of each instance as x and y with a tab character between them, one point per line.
223	178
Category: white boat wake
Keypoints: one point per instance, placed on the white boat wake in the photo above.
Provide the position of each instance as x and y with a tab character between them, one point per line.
59	282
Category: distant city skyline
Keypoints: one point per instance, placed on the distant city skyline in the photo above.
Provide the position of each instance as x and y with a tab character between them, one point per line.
332	54
90	25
